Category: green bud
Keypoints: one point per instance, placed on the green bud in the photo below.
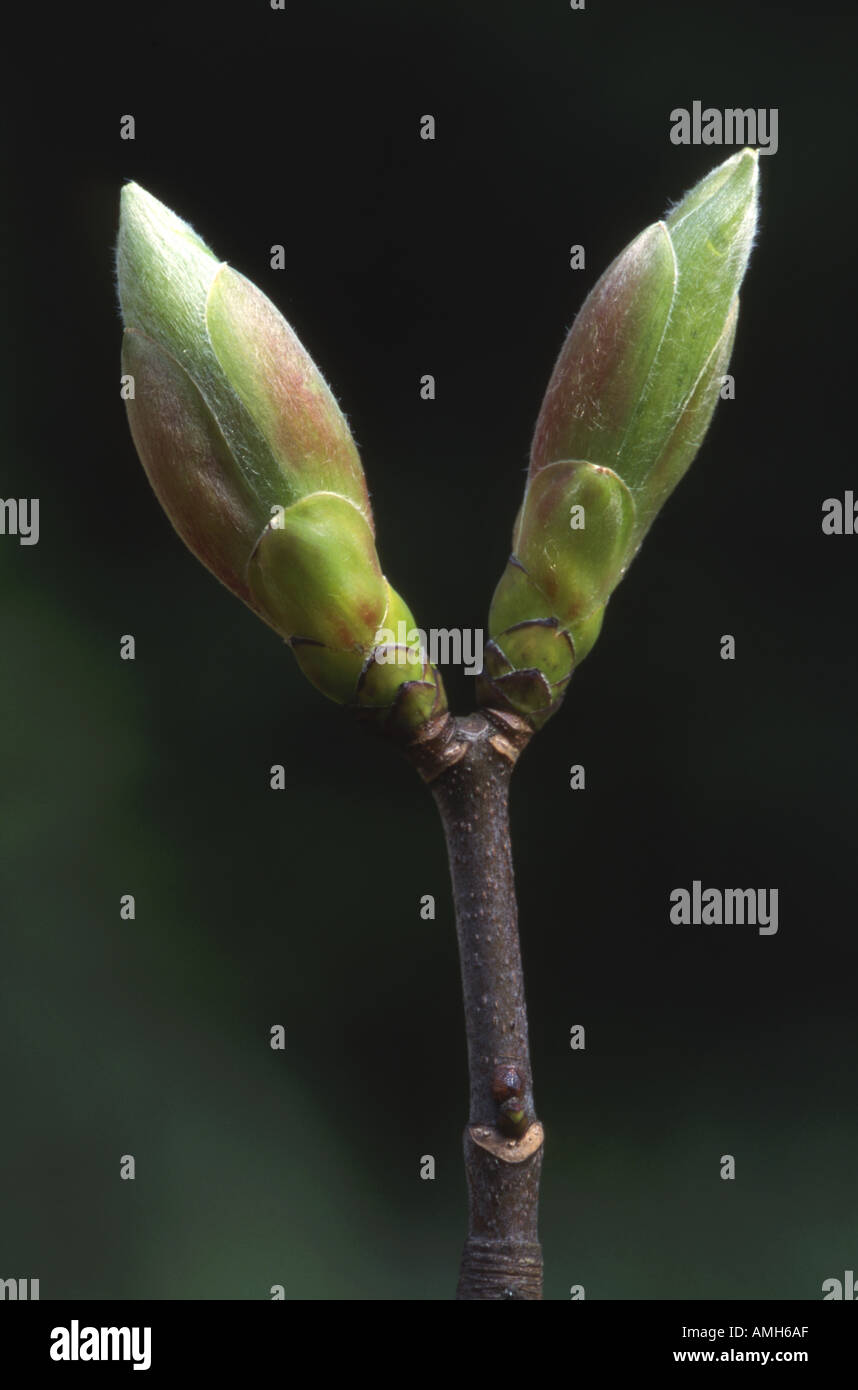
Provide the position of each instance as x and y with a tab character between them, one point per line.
254	463
624	414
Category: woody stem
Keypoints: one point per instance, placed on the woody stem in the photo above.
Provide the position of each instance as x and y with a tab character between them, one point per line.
469	765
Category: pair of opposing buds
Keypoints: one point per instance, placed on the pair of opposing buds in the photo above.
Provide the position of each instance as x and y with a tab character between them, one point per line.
256	468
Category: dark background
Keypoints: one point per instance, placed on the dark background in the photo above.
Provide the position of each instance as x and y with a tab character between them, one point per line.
302	908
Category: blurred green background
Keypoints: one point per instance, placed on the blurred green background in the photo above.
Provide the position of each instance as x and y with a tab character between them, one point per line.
255	908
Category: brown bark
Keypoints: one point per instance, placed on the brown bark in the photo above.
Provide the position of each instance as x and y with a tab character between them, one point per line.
468	763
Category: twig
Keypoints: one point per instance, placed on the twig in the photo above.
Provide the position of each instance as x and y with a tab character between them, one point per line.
468	762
